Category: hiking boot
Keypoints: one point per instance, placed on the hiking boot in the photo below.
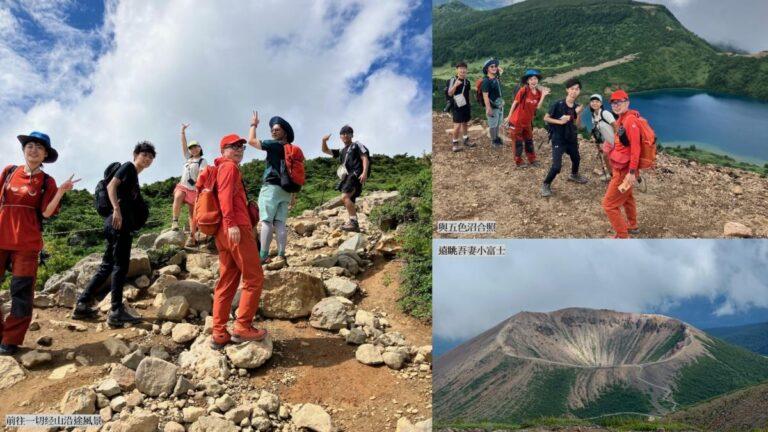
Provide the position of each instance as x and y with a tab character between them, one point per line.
175	225
218	342
634	231
83	311
249	334
190	243
578	178
121	317
498	142
351	225
8	350
546	190
456	147
469	144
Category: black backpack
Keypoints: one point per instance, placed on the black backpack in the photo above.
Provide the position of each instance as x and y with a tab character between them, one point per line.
100	195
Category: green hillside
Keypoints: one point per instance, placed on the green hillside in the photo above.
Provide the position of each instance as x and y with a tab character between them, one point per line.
561	35
753	337
77	230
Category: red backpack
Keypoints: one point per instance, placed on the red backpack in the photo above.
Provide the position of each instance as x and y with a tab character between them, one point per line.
207	210
294	168
479	91
647	144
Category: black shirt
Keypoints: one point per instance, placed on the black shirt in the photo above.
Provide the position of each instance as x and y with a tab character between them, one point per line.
132	206
275	154
568	131
463	88
354	163
492	87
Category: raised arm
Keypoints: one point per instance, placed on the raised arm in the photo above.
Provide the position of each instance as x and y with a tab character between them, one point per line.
54	204
325	148
184	150
252	140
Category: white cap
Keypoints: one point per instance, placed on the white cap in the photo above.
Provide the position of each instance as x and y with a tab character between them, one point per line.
596	96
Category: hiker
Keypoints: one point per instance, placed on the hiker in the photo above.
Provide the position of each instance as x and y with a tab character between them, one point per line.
625	160
492	99
128	215
457	93
238	252
603	129
527	100
353	172
28	196
564	116
185	191
274	201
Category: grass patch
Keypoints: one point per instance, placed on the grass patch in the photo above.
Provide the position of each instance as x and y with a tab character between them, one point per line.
616	399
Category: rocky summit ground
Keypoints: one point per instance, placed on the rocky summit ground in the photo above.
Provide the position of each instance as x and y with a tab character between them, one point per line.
684	199
340	355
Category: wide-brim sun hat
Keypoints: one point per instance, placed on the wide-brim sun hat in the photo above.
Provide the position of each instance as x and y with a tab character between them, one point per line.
488	63
43	139
231	139
529	73
284	125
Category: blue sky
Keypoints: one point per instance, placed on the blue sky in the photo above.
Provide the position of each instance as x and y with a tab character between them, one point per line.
109	74
707	283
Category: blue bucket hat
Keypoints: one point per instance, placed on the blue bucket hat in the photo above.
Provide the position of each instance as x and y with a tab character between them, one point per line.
529	73
489	62
43	139
284	125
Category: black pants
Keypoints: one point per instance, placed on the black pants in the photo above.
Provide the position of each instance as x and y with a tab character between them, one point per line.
519	147
571	148
115	262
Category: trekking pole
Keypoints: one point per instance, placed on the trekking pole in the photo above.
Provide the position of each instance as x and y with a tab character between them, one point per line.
600	157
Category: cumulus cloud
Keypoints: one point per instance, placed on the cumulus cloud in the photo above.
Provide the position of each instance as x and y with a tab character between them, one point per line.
472	295
153	65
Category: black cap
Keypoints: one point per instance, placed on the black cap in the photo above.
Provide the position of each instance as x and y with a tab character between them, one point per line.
346	129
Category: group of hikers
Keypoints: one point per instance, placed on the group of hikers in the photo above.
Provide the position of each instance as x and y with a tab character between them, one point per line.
216	197
620	134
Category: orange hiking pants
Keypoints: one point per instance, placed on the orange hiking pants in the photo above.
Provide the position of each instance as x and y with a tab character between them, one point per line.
14	328
236	262
614	200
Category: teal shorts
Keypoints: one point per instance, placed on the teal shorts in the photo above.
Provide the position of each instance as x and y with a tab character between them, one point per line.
273	203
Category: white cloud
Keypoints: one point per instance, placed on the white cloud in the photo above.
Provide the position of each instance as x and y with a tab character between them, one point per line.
210	64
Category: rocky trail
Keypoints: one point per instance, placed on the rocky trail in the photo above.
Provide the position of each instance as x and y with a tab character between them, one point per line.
340	355
684	199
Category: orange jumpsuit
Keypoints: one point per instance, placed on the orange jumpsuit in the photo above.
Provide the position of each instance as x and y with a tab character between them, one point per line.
625	158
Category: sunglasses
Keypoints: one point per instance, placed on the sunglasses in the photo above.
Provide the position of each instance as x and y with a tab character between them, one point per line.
617	102
236	146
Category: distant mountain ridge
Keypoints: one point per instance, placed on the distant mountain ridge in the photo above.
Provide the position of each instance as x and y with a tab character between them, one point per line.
753	337
586	363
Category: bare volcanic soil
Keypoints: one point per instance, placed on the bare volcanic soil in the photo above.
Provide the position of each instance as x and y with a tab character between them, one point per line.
684	199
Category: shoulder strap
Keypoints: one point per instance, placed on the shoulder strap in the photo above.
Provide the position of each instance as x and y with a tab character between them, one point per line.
7	179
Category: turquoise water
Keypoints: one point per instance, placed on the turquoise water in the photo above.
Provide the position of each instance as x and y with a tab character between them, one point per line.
723	124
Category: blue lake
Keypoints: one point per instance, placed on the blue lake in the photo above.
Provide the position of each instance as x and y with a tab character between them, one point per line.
722	124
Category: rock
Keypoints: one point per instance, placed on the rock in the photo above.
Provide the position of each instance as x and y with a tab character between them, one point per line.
106	414
331	313
225	403
343	287
394	359
142	282
312	417
172	426
183	385
203	267
304	227
349	263
109	388
162	282
736	229
737	190
326	261
155	376
170	238
54	283
60	372
34	326
405	425
174	309
167	328
139	421
191	414
277	263
125	377
290	294
158	351
81	400
364	318
10	372
250	355
43	301
67	295
388	245
203	360
268	402
184	332
146	241
130	292
133	359
45	341
425	352
237	414
116	347
356	336
369	354
212	424
355	243
198	295
173	269
179	259
117	404
391	339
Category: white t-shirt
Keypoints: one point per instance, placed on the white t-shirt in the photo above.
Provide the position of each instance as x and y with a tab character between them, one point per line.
192	168
603	120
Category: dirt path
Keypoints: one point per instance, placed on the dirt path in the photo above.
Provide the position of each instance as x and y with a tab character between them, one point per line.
565	76
684	199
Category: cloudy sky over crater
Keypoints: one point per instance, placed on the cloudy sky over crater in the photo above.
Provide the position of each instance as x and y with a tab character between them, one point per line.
98	77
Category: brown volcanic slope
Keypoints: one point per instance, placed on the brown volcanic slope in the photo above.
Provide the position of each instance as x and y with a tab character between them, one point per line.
536	364
739	411
684	199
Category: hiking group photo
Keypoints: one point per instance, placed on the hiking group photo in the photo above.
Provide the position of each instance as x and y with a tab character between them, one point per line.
188	244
